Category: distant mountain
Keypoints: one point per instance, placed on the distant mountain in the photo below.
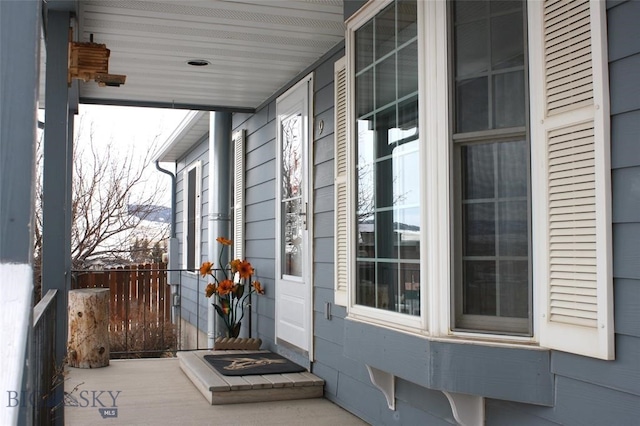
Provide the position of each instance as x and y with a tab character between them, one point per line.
159	214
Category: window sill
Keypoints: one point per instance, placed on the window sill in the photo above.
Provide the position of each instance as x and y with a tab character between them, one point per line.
490	369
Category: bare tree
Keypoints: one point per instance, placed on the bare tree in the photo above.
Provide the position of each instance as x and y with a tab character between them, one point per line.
111	194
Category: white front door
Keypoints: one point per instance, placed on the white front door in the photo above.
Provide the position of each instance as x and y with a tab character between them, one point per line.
293	216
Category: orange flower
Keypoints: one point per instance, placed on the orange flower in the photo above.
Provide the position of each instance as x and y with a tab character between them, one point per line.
234	265
210	290
225	287
245	269
206	268
258	287
224	241
225	306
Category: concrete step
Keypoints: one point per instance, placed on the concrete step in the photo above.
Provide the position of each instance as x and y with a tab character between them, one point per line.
220	389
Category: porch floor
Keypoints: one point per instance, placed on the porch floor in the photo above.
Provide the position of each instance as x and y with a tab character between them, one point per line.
157	392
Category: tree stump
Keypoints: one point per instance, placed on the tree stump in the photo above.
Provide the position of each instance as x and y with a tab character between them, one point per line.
88	344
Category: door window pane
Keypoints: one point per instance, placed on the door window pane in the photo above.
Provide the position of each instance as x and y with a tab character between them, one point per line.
292	238
291	156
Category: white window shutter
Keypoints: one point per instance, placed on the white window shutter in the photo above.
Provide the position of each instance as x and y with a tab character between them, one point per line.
185	219
238	194
571	176
341	165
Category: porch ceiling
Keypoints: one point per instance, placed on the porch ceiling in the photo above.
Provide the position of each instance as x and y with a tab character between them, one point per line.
254	48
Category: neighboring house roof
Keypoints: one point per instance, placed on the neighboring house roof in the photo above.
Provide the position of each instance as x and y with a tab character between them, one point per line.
189	132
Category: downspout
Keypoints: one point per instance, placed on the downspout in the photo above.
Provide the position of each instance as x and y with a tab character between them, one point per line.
219	219
173	199
174	273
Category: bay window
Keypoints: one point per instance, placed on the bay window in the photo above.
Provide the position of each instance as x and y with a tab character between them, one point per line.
491	262
471	171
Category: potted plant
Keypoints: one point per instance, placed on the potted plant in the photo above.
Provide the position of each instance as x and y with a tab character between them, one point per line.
231	292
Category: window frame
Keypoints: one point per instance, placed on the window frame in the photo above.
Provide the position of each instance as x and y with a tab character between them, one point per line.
436	246
197	167
364	313
457	140
437	250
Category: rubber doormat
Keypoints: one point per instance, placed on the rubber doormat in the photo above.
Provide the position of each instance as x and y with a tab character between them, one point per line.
252	364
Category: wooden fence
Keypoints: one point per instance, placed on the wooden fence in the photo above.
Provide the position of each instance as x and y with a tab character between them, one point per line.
140	306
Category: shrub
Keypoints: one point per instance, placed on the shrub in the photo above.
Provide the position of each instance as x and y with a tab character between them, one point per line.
142	335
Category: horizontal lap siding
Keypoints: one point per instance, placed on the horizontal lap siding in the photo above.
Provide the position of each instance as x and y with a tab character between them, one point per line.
193	306
591	391
617	380
347	380
588	391
260	172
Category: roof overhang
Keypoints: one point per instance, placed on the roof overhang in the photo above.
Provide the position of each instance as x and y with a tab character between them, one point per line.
252	47
189	132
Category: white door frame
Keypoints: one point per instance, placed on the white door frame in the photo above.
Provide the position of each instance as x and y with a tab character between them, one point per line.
307	274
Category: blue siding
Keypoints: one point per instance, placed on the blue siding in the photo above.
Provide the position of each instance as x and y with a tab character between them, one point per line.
193	304
260	174
627	307
591	391
552	387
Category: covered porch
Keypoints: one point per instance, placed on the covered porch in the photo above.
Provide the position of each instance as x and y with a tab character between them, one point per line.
231	57
156	391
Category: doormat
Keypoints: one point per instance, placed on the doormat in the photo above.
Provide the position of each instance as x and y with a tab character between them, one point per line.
252	364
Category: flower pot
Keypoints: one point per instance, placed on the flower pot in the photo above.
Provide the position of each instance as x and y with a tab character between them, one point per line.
234	330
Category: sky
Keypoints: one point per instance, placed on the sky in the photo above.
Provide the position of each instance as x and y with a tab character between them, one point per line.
132	130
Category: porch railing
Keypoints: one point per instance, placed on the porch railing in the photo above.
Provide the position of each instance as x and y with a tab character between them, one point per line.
140	308
47	377
150	316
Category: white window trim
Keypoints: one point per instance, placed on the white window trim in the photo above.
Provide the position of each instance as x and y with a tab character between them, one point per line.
436	247
197	165
368	314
